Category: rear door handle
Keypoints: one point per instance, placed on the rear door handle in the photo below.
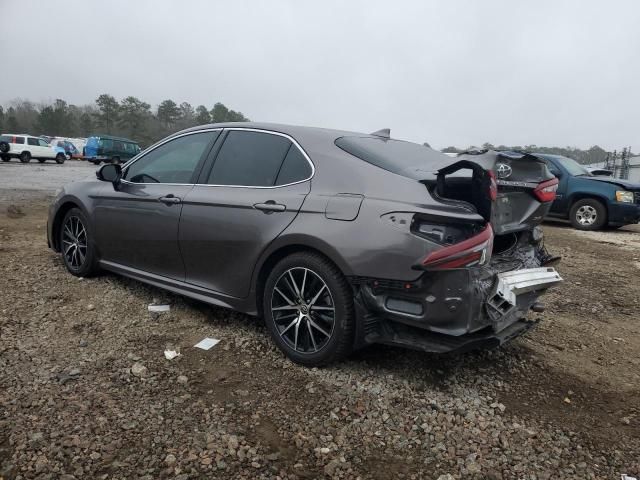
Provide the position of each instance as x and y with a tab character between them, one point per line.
170	199
270	206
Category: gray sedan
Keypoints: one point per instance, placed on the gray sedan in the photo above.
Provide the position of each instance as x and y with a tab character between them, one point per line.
337	239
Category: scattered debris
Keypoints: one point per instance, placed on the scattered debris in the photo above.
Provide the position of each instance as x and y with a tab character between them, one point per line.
207	343
158	308
91	306
171	354
183	379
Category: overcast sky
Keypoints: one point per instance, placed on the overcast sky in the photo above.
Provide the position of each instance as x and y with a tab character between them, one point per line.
551	73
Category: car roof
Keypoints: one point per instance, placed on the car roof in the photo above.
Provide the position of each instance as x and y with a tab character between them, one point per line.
111	137
295	131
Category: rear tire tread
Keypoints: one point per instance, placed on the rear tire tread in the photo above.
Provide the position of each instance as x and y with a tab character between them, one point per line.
342	294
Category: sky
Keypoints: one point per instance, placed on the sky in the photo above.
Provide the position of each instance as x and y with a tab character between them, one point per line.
454	72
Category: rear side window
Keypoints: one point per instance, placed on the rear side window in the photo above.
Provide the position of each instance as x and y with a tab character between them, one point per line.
249	159
295	167
32	141
404	158
172	162
19	140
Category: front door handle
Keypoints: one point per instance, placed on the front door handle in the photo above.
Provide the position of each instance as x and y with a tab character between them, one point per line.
270	206
170	199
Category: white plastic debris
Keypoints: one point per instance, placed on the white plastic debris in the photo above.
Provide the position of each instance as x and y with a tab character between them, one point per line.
158	308
171	354
207	343
627	477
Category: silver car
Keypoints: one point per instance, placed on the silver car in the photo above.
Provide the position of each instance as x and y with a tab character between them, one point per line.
337	239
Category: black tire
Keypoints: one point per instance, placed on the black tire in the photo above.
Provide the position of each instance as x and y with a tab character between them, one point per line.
60	158
588	214
41	160
5	158
4	147
88	266
323	348
25	157
95	162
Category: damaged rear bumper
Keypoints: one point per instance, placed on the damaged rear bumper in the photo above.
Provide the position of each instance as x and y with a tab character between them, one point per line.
455	310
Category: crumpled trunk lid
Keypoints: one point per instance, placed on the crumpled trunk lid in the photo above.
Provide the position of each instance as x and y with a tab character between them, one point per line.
501	186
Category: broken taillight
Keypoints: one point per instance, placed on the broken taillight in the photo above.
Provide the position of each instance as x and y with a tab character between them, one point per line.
493	186
472	251
546	191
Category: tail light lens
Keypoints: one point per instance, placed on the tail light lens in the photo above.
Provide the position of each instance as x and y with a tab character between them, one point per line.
472	251
493	186
546	191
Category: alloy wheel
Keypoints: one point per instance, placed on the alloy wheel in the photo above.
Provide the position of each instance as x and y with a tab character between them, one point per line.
586	215
74	242
303	310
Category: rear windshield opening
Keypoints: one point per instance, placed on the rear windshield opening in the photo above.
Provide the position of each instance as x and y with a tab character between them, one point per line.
397	156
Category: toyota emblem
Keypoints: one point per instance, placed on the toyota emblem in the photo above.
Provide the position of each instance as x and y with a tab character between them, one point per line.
503	170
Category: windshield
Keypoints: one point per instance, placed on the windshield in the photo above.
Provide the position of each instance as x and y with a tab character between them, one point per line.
397	156
572	167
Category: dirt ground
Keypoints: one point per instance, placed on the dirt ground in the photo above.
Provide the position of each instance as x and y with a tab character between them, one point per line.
86	392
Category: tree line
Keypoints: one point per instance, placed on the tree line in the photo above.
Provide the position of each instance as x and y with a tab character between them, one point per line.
130	117
594	154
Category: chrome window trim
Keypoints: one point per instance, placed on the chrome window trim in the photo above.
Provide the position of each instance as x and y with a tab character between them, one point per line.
246	129
150	149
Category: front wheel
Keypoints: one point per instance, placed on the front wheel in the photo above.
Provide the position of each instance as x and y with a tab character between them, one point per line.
60	158
76	244
308	308
588	214
25	157
5	158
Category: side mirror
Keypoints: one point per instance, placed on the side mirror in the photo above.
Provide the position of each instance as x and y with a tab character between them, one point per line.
110	173
555	172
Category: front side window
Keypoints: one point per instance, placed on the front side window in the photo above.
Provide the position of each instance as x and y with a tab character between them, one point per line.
32	141
249	159
42	143
171	162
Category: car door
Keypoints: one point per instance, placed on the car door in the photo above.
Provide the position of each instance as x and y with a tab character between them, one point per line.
46	150
34	147
137	222
250	191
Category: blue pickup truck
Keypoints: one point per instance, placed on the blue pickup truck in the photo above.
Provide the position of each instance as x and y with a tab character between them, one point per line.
591	202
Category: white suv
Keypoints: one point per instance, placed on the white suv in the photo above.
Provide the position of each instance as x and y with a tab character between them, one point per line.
26	147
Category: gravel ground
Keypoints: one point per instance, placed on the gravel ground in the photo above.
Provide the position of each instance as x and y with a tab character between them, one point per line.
17	177
86	391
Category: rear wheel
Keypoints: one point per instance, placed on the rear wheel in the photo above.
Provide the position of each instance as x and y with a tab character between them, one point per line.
588	214
308	309
25	157
41	160
60	158
5	158
76	244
